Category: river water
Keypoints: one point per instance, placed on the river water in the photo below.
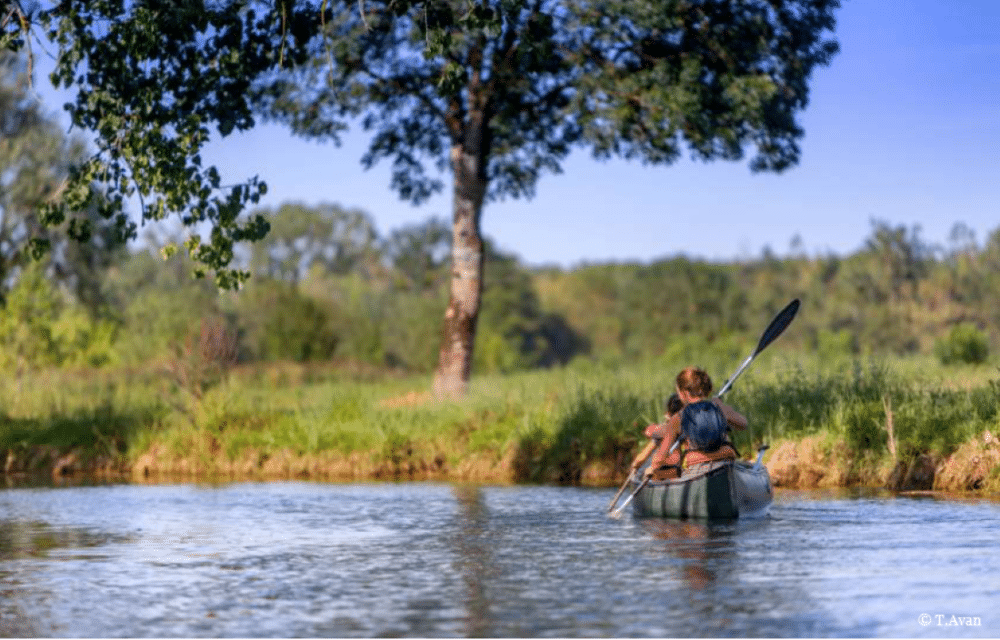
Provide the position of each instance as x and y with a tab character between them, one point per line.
295	559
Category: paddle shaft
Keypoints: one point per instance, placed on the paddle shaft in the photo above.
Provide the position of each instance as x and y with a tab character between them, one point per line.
642	484
619	494
775	329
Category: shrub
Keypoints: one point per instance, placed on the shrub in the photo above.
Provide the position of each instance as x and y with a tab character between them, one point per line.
831	344
41	327
964	344
283	324
864	426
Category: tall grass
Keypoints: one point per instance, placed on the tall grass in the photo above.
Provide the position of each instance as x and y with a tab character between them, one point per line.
557	425
854	401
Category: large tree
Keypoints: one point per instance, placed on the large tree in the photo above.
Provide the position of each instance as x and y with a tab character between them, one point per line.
493	93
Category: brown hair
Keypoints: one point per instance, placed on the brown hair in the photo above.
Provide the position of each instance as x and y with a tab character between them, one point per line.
695	381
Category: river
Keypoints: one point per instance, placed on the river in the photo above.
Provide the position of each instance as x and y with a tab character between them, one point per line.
295	559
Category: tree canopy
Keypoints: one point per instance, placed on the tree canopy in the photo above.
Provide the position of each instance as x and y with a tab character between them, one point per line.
302	237
496	92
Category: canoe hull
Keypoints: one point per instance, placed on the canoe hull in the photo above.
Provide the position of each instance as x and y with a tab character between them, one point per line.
721	490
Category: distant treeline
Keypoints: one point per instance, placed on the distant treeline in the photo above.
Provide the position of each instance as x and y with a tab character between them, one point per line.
897	295
328	287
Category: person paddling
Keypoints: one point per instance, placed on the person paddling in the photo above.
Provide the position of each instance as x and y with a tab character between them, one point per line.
701	416
655	432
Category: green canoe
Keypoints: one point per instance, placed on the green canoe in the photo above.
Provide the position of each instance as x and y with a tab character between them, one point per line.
724	489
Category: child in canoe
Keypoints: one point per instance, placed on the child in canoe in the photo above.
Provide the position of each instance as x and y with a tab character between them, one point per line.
656	432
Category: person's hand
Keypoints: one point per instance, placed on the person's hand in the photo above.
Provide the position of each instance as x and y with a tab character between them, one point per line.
648	472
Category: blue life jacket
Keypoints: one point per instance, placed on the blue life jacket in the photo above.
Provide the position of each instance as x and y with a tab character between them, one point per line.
703	426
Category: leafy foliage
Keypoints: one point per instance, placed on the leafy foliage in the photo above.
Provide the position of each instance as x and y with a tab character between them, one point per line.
514	332
159	306
153	81
626	78
281	323
35	161
40	328
419	253
965	343
305	237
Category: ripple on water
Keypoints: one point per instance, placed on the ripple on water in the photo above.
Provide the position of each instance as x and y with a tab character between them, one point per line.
424	560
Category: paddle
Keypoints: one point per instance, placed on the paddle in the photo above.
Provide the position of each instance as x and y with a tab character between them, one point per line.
619	494
775	329
618	512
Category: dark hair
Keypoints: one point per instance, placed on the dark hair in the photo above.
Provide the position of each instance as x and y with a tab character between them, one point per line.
674	404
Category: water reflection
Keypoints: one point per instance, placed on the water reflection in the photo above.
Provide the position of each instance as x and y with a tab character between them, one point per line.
474	561
13	622
39	540
732	581
701	547
25	549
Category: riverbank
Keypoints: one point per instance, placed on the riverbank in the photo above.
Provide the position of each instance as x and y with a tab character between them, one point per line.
860	424
810	463
817	462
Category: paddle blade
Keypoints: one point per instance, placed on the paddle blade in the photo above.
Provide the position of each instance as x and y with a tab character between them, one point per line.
778	325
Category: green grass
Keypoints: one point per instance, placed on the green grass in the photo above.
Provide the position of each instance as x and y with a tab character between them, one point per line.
551	424
95	413
932	408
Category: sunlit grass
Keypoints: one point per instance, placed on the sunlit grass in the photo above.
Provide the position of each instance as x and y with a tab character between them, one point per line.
542	425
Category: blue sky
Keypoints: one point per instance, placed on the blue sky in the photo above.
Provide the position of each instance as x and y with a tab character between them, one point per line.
903	126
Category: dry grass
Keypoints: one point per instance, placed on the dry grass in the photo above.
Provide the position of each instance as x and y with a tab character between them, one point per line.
812	462
160	462
974	466
819	462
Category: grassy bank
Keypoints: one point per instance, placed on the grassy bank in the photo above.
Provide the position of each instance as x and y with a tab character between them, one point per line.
907	424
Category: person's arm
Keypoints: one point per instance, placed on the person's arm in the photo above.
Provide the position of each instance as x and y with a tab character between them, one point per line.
660	456
645	453
735	419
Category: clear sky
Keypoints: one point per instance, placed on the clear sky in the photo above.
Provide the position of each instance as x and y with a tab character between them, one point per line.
903	126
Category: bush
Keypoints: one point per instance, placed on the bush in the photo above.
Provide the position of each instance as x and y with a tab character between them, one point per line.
41	327
283	324
964	344
156	320
864	426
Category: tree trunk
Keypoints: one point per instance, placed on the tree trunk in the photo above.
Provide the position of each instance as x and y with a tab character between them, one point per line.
451	379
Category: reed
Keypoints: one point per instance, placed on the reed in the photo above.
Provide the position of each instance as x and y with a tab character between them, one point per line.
581	423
